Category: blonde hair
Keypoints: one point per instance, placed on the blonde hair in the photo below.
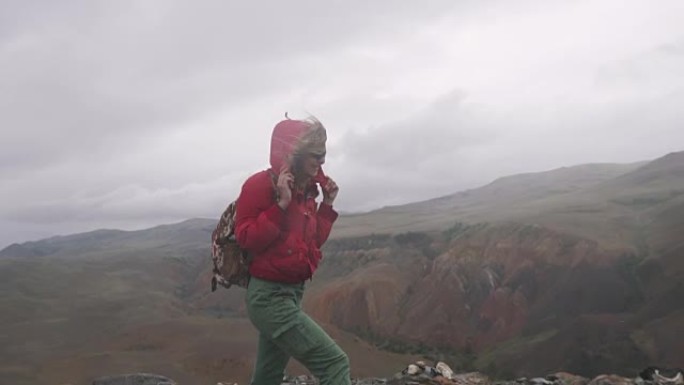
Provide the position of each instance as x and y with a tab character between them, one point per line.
313	140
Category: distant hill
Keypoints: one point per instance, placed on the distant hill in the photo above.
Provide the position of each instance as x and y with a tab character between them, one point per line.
191	233
577	269
504	199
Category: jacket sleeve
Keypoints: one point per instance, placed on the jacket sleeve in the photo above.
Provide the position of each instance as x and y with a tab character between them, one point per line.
258	220
325	217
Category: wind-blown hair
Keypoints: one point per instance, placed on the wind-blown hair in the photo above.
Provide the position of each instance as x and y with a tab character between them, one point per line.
313	140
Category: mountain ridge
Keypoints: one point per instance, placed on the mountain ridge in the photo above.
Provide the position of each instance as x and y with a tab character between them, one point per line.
607	169
586	281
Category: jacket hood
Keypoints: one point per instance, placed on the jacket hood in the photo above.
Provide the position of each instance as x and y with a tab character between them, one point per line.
290	136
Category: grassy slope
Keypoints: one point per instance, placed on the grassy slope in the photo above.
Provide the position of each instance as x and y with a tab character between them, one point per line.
71	318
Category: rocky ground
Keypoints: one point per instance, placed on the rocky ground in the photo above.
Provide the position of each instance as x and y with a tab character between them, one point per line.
422	374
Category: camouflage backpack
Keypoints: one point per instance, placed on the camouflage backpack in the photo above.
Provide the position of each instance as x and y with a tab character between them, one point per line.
231	263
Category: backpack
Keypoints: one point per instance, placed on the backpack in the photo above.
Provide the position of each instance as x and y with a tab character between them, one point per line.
231	263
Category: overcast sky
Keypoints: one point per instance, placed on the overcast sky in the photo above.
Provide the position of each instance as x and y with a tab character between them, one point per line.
131	113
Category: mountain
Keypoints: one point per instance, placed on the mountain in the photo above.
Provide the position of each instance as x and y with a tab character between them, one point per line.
77	307
505	198
187	235
586	278
578	269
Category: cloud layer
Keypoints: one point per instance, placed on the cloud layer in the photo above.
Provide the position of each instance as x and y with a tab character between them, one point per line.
130	114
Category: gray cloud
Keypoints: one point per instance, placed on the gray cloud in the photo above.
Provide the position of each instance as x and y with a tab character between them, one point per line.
104	72
127	114
416	159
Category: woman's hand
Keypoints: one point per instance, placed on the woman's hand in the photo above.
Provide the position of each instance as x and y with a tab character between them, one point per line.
284	187
330	191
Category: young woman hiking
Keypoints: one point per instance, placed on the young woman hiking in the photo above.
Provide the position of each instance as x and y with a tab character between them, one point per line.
283	227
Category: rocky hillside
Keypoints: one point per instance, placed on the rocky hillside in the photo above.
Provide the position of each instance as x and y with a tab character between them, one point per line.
578	269
587	281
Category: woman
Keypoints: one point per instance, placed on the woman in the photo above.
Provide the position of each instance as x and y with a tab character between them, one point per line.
279	222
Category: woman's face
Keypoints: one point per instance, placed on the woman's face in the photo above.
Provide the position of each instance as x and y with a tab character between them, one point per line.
311	162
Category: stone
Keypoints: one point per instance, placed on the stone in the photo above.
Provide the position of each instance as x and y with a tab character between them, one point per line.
611	379
472	378
135	379
540	381
563	378
369	381
413	370
660	376
445	370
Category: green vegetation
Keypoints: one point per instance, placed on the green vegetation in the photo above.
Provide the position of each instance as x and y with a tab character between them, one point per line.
372	241
643	201
528	231
364	249
412	239
454	230
419	241
627	267
459	229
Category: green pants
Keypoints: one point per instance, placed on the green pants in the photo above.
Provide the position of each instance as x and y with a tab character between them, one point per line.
286	331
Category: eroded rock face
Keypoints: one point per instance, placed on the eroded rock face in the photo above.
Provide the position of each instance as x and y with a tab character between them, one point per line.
537	298
486	282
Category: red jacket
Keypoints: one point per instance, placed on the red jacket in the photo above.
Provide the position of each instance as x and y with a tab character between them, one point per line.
284	244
